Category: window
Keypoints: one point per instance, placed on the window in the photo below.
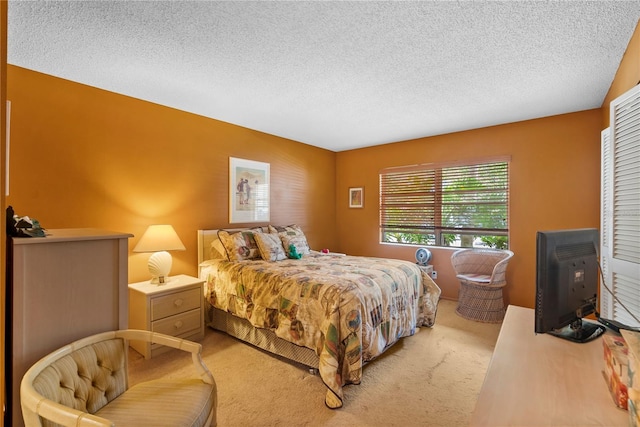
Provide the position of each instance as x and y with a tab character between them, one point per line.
462	205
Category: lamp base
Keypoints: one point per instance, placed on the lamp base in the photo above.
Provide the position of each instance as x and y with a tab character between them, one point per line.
161	280
159	267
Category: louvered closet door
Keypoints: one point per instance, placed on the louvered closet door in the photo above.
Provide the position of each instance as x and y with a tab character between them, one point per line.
622	261
606	299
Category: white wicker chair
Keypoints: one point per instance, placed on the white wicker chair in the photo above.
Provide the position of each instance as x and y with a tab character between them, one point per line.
86	384
481	273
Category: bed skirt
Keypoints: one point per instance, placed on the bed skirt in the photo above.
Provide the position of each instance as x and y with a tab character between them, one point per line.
261	338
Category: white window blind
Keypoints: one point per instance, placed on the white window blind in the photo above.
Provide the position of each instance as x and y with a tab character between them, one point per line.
408	201
441	201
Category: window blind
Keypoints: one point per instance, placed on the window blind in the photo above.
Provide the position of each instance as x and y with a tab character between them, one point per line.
408	201
470	199
475	198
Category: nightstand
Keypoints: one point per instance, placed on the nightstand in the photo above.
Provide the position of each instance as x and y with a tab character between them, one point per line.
175	308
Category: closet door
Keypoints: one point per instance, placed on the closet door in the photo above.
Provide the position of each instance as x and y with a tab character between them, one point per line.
621	211
606	298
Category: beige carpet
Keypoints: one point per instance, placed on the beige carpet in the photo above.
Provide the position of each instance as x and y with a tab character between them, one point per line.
430	379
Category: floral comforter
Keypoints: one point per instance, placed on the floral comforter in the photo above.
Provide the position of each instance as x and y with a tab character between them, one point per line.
348	309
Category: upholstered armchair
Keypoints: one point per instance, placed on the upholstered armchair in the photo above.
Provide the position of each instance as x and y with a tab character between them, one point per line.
482	276
86	384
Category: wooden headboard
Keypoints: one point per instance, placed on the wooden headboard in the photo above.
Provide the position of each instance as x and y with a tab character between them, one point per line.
205	238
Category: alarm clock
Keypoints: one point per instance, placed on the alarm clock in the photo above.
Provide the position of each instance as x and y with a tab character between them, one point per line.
423	256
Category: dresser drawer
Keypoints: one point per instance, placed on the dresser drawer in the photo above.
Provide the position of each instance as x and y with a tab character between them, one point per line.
179	324
175	303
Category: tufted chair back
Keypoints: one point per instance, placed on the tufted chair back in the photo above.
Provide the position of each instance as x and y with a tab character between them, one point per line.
87	379
85	384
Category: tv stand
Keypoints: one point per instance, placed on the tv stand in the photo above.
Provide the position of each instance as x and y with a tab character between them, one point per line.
539	380
579	331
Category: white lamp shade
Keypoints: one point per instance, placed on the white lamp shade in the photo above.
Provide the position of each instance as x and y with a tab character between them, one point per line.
159	239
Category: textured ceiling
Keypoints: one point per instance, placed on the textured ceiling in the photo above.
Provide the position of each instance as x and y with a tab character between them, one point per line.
337	75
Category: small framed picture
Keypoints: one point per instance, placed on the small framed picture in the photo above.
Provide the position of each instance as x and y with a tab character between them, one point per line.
356	197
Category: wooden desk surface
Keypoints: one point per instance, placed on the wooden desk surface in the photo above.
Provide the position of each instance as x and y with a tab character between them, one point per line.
542	380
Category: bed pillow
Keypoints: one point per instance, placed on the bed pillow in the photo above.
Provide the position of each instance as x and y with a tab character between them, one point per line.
282	228
217	250
270	247
293	235
297	240
240	245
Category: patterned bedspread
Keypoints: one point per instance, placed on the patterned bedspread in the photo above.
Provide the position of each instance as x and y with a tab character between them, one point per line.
348	309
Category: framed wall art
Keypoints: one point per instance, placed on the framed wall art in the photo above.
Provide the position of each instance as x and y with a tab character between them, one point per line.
356	197
248	191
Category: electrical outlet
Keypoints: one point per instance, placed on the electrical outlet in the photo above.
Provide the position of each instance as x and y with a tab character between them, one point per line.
434	274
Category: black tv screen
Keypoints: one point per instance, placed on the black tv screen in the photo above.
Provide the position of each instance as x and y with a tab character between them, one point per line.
567	283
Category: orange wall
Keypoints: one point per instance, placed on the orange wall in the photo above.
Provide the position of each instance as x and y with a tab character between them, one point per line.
554	184
84	157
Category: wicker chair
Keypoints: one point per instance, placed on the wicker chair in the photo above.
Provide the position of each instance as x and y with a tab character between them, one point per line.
86	384
481	273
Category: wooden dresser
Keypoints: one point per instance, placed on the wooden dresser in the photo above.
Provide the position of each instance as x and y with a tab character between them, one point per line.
542	380
62	287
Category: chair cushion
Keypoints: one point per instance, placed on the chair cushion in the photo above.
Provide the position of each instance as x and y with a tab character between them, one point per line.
163	402
479	278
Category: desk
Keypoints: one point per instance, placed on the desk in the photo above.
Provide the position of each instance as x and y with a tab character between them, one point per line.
542	380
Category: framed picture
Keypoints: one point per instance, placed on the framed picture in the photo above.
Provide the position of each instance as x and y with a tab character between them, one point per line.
248	191
356	197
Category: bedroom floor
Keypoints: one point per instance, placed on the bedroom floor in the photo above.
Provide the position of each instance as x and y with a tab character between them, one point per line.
432	378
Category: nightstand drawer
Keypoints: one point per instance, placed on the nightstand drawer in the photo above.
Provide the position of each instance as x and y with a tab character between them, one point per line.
175	303
179	324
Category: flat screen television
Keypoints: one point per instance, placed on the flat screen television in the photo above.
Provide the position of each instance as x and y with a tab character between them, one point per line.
567	283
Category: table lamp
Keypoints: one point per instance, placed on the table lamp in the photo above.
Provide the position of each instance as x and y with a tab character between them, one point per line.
159	239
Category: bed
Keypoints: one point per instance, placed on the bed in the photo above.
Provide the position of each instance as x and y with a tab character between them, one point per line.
330	312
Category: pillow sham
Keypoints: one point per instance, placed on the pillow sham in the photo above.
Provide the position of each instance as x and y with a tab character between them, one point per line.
217	250
270	247
292	235
240	245
297	240
293	228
